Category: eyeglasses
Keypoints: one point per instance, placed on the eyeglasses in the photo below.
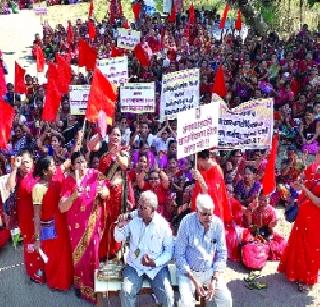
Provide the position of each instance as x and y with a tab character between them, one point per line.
205	213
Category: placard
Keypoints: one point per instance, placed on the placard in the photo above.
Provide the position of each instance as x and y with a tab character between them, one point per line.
128	38
179	92
248	126
78	97
137	97
115	69
40	9
197	129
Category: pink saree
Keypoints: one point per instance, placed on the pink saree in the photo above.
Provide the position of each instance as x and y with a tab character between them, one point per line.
85	229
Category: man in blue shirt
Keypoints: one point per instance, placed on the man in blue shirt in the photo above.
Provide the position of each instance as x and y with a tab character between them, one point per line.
201	256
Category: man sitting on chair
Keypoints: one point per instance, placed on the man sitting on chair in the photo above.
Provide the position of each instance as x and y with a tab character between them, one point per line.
201	256
150	250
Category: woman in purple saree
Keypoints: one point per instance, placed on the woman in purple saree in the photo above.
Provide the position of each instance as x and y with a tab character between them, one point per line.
82	200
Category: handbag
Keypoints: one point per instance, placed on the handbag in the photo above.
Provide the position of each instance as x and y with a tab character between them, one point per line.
47	230
9	208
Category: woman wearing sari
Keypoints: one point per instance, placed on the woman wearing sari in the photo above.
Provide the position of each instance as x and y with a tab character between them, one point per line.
81	200
113	165
50	228
301	259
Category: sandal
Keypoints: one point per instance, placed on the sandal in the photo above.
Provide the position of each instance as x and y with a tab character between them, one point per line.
250	285
302	287
260	285
252	276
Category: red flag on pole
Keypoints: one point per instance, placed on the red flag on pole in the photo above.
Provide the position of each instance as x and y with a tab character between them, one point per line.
219	86
237	25
224	16
63	74
90	13
115	52
173	14
91	29
19	83
141	55
136	8
7	115
53	95
269	176
70	35
87	55
102	97
40	59
192	18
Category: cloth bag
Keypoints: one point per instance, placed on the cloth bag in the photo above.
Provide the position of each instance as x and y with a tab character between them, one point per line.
255	254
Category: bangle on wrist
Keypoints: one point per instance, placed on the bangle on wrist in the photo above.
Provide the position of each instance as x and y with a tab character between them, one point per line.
36	237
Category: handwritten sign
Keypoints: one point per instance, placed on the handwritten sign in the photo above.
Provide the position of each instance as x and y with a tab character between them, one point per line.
115	69
179	92
40	10
79	95
137	97
248	126
197	129
128	38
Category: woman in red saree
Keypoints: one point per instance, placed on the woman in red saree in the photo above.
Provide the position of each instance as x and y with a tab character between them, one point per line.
209	180
81	200
51	233
113	165
21	179
301	259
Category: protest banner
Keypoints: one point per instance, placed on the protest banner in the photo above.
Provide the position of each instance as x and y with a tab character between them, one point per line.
40	9
179	92
137	97
197	129
79	95
127	38
115	69
248	126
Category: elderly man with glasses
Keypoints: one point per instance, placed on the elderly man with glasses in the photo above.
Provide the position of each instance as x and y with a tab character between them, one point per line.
201	255
150	250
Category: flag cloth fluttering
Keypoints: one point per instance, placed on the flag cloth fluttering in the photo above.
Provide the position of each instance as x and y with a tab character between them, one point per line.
224	16
173	14
19	82
91	8
87	55
91	29
141	55
70	35
63	74
237	25
219	86
102	97
7	115
269	176
192	18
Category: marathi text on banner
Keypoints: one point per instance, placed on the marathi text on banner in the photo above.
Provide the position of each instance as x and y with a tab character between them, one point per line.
248	126
79	95
179	92
115	69
137	97
197	129
127	38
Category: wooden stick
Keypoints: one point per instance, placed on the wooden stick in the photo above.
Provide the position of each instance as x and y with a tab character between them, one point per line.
196	161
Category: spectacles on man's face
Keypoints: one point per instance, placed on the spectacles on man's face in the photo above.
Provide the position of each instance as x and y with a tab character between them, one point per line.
206	213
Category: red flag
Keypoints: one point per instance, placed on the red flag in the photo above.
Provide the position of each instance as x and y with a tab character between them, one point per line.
237	25
90	13
269	176
3	84
224	16
7	115
70	35
136	10
102	97
19	83
187	31
40	59
63	74
91	29
116	52
192	18
87	55
126	24
53	95
219	86
141	55
173	14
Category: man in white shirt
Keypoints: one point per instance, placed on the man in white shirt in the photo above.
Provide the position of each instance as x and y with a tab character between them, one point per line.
150	250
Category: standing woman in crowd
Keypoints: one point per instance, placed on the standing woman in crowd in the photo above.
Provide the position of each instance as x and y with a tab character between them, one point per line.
113	165
82	195
22	181
50	228
301	259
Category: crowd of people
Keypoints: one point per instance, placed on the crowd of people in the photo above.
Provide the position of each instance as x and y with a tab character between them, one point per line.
72	187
